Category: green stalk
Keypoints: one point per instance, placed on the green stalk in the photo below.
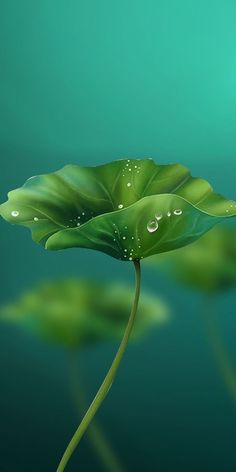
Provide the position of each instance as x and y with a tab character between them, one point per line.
220	351
98	440
107	382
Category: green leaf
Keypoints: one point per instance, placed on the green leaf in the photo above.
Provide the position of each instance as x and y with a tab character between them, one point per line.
74	312
208	264
129	209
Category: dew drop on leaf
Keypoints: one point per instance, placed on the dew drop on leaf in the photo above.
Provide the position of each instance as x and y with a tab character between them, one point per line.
15	213
152	226
178	212
158	216
35	218
120	205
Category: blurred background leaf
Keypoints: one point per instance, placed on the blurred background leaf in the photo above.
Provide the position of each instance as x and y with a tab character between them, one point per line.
208	264
77	312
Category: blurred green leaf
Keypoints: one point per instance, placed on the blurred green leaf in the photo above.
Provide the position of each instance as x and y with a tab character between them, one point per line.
129	209
77	313
208	264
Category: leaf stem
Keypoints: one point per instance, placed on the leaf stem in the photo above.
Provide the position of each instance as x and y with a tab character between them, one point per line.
107	382
222	356
96	436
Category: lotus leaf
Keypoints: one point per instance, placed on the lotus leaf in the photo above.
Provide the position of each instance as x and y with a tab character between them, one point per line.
208	264
67	313
129	209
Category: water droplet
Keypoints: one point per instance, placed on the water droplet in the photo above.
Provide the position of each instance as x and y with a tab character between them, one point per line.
152	226
128	160
130	170
120	205
123	237
178	212
35	218
78	224
169	213
135	167
15	213
129	184
158	216
125	250
227	211
83	213
130	258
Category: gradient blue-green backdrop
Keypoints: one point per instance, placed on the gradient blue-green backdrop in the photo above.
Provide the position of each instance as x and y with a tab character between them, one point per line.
87	82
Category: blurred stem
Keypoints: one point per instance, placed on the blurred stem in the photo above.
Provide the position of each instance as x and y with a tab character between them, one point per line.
96	436
107	382
219	348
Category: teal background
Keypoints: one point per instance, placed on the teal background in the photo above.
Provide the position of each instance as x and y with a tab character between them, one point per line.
87	82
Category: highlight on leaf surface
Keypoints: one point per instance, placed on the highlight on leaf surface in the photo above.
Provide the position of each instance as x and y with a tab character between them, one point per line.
208	264
67	312
129	209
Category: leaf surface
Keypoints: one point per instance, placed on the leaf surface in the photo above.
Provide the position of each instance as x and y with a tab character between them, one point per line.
129	209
